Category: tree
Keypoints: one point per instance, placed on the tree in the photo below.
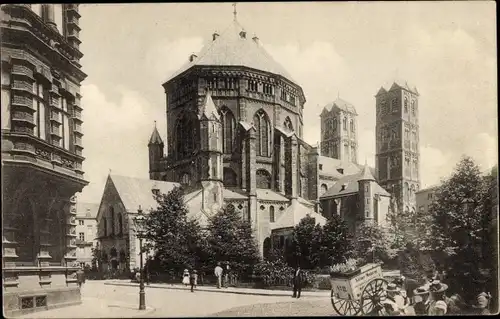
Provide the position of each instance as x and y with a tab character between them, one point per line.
230	238
175	239
461	213
306	244
336	242
373	243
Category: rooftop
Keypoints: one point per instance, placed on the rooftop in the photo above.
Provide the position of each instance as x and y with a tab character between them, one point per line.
135	191
341	105
234	47
348	185
294	214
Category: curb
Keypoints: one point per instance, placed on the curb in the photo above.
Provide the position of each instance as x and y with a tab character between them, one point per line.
274	294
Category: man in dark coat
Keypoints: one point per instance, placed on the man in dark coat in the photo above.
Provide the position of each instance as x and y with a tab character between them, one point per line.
297	282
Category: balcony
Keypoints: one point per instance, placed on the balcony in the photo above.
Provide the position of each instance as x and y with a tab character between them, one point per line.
22	70
23	101
20	116
76	115
22	86
55	117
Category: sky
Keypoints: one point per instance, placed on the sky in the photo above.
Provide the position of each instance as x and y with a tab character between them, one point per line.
346	49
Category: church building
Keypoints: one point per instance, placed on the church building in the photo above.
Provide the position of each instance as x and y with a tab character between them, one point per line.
235	122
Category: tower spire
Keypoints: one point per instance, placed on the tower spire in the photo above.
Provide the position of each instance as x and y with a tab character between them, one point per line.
235	13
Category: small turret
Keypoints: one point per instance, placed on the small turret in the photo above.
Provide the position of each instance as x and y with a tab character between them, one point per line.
155	147
366	193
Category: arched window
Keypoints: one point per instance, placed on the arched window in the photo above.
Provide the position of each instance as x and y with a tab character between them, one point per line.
353	129
412	193
105	226
288	124
186	133
334	123
344	123
228	127
324	188
112	220
263	179
262	128
406	105
120	223
413	108
229	177
271	214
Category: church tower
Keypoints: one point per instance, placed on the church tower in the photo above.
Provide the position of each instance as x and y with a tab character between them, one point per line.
210	155
339	137
397	143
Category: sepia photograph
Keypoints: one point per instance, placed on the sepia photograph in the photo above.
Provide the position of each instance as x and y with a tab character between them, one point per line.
253	159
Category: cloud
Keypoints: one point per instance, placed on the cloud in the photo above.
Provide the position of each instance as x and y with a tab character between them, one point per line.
116	137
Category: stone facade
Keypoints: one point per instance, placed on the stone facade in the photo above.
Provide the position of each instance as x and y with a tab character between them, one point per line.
397	143
41	154
254	108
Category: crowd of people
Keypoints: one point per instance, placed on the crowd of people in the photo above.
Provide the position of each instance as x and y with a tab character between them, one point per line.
430	299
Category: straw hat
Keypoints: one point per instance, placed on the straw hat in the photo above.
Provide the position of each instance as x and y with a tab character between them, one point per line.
482	301
392	287
436	287
421	291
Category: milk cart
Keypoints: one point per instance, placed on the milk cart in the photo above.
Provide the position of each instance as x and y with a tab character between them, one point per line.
361	291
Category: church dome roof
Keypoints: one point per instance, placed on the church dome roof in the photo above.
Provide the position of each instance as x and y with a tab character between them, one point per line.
234	47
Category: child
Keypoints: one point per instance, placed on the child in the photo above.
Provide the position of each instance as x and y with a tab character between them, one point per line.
193	279
185	277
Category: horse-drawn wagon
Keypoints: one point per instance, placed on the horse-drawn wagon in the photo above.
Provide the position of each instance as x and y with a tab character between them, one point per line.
360	291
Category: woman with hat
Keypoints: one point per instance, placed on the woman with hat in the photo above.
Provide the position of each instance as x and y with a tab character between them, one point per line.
482	303
438	306
394	304
421	301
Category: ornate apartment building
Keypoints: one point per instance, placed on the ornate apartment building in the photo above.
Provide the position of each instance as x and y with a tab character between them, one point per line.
397	143
41	154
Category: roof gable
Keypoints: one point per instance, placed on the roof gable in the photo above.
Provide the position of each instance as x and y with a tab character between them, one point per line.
341	105
294	214
209	110
232	49
137	191
155	137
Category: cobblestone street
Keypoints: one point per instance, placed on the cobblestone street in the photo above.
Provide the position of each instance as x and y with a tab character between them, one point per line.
299	307
110	301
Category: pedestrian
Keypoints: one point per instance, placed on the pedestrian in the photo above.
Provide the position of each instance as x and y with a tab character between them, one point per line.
193	278
185	277
481	305
400	283
437	306
421	301
298	279
218	274
226	275
80	277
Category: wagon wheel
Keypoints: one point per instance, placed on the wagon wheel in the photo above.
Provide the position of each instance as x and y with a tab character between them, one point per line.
345	306
372	297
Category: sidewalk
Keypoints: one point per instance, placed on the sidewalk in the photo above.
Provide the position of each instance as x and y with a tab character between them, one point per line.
238	291
230	290
93	308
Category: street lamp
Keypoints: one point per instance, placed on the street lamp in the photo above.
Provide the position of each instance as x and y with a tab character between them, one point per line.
139	229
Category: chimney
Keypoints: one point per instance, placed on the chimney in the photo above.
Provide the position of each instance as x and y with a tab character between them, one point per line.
243	34
255	39
48	15
192	57
343	187
215	35
340	170
88	212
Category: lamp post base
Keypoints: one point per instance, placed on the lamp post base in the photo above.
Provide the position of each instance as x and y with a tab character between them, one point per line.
142	300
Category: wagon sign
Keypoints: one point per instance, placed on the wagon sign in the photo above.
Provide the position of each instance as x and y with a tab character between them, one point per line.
358	292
